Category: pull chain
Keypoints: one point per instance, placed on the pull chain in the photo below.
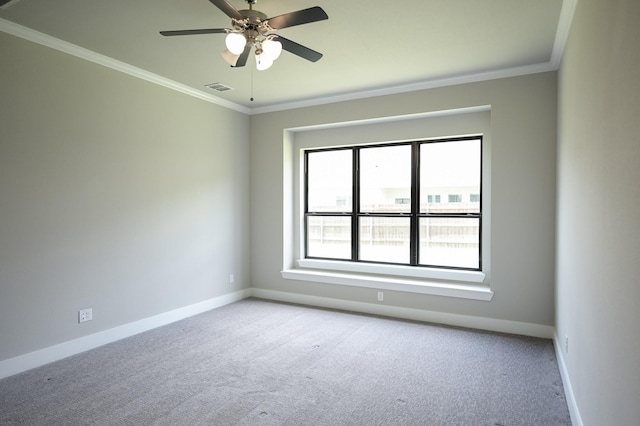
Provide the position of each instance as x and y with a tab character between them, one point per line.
251	84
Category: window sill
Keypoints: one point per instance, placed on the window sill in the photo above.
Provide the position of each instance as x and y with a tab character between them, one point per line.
394	278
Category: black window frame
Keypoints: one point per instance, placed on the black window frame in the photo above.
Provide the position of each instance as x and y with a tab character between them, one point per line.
415	215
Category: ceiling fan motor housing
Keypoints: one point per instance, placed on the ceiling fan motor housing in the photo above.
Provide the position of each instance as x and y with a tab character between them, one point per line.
253	18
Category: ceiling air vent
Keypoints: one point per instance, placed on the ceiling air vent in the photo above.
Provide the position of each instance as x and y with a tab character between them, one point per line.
218	87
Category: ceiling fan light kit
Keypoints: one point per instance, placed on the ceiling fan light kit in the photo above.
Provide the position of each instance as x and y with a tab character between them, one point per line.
251	29
230	57
235	43
271	48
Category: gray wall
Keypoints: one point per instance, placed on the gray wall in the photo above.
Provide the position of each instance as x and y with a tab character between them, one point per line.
115	194
598	287
523	172
134	200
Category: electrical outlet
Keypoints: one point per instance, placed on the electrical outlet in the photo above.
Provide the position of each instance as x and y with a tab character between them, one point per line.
566	344
85	315
231	279
380	296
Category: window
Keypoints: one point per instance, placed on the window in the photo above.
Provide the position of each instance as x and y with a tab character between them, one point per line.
394	215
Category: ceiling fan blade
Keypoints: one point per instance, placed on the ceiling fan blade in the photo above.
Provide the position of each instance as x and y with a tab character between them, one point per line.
242	60
305	16
194	32
227	8
300	50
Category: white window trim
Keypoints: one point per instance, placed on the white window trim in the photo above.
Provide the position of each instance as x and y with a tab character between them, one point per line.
392	283
433	281
393	277
394	270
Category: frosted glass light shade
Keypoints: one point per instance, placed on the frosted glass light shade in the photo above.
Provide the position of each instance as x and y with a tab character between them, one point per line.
262	62
230	57
272	49
235	43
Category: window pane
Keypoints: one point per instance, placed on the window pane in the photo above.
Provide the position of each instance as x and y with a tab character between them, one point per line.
385	239
329	181
329	236
385	179
451	168
450	242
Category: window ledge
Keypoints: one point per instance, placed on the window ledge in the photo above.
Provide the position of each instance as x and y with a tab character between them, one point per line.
431	285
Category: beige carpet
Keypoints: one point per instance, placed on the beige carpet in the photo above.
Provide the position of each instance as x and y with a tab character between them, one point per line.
263	363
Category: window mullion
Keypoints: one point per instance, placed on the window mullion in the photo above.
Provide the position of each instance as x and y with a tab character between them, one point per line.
415	203
355	206
306	203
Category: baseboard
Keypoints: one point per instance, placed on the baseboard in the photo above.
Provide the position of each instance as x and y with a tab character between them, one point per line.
490	324
53	353
40	357
576	419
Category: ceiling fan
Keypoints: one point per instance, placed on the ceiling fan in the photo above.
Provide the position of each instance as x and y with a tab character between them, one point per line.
251	28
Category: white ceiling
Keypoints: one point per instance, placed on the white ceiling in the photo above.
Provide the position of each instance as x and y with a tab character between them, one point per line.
370	47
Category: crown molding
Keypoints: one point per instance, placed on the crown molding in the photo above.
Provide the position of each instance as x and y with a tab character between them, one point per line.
562	33
91	56
423	85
